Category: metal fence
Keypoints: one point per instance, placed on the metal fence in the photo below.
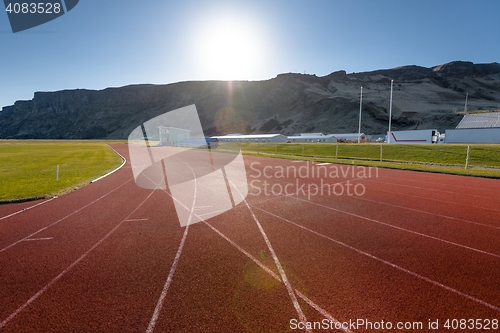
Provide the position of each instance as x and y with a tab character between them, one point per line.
466	156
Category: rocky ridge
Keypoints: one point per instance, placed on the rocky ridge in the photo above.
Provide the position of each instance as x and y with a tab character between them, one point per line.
290	103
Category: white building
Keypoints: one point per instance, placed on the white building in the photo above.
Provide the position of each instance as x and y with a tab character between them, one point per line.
172	135
309	134
252	138
476	128
349	137
313	137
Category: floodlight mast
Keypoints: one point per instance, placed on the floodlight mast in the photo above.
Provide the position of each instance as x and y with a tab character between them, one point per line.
390	116
360	107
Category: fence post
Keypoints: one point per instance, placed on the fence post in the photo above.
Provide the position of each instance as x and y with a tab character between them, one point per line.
258	147
57	172
468	157
337	151
381	145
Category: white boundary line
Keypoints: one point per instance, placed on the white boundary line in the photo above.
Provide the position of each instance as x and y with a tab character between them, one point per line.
424	188
435	199
38	239
472	298
449	184
27	208
168	282
275	276
109	173
429	213
393	226
315	306
301	295
58	277
284	278
405	194
161	300
400	228
61	219
93	181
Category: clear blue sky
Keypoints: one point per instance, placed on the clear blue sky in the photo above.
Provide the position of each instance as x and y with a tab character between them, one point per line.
111	43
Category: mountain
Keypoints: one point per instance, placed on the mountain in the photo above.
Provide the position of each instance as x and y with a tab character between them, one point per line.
290	103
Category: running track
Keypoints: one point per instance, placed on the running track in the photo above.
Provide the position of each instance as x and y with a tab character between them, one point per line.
111	257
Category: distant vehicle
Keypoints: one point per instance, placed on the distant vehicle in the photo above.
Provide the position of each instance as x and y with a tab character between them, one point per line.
201	143
413	137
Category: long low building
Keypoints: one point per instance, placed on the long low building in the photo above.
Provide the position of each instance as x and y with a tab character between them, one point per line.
473	135
303	137
318	138
352	137
476	128
252	138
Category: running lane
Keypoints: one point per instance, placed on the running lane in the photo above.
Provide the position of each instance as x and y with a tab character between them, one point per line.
112	257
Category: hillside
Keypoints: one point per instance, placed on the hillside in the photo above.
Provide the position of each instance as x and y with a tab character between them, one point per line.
290	103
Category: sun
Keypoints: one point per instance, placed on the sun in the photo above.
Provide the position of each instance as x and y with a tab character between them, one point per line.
229	49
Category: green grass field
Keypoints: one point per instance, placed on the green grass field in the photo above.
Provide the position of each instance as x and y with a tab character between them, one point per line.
28	168
484	160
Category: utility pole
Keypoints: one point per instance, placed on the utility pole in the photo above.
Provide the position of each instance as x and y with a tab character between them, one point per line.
390	115
360	107
465	108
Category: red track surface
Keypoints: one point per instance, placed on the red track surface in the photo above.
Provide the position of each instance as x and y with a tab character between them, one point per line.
414	247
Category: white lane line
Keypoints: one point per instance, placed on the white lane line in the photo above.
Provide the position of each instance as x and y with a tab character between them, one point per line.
26	209
323	163
61	219
307	300
429	213
323	312
437	200
284	278
400	228
444	216
211	213
134	220
163	295
448	184
38	239
440	192
58	277
438	284
113	171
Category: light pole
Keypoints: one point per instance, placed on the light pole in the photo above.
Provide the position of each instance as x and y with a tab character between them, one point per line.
465	107
360	107
390	116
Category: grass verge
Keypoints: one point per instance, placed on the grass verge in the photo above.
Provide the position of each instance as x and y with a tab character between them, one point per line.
28	168
484	160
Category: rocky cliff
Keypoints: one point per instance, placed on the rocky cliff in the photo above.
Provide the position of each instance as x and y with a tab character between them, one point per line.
290	103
